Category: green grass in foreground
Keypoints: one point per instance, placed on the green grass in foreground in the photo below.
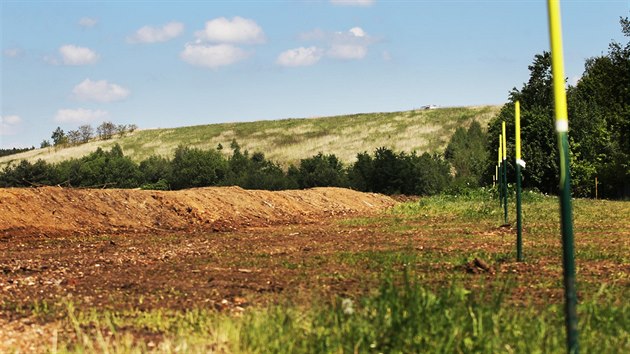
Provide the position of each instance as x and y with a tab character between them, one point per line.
400	317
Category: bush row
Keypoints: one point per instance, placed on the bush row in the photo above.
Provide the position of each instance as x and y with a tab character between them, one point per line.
384	171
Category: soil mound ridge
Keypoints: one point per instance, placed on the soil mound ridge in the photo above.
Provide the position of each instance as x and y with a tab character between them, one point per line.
55	210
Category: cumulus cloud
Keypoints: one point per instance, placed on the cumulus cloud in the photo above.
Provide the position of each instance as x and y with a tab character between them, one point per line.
149	34
99	91
236	30
75	55
225	33
300	57
347	51
79	115
9	124
88	22
212	56
349	45
12	52
354	34
357	32
353	2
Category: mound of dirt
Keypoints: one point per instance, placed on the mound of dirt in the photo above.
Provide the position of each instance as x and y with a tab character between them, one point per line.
55	210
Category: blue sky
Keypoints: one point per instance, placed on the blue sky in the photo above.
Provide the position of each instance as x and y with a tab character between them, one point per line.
177	63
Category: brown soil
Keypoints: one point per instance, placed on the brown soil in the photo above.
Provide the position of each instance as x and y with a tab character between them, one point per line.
117	249
52	211
107	247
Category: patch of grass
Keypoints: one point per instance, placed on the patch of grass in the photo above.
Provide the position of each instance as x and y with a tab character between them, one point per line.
588	252
479	206
40	310
400	316
404	317
196	330
361	222
290	265
540	212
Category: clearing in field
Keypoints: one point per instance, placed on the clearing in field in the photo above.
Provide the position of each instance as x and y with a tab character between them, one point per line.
323	270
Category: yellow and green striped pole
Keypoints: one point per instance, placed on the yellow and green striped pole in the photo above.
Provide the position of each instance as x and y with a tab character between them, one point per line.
562	128
500	175
519	163
505	197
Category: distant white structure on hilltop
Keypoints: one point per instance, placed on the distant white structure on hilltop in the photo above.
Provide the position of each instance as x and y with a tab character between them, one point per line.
431	106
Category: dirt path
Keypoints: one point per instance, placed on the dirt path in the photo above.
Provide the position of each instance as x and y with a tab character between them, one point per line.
49	211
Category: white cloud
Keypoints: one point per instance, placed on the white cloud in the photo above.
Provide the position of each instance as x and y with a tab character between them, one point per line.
357	32
12	120
99	91
236	30
79	115
300	56
212	56
88	22
12	52
347	51
349	45
353	2
148	34
355	35
9	124
74	55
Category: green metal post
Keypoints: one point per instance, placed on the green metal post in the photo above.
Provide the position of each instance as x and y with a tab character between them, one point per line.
566	213
519	163
505	196
568	252
519	216
505	191
500	171
501	184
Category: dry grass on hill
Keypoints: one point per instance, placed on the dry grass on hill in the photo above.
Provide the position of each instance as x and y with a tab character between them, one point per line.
289	140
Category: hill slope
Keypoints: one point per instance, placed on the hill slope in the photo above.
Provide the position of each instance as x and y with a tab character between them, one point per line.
289	140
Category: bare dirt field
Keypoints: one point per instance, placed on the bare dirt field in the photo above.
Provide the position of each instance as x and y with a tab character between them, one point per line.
121	249
109	246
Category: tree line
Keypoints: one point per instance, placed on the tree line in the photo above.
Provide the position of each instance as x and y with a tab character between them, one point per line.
383	171
13	151
85	133
599	123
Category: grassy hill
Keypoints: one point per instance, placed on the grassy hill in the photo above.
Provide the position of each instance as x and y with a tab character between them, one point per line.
289	140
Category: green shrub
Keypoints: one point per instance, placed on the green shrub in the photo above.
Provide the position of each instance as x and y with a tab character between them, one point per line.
321	171
197	168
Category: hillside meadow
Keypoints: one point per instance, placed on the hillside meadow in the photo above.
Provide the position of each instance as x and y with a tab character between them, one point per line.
286	141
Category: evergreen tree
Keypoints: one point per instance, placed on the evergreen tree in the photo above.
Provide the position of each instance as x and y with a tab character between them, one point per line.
59	137
466	152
